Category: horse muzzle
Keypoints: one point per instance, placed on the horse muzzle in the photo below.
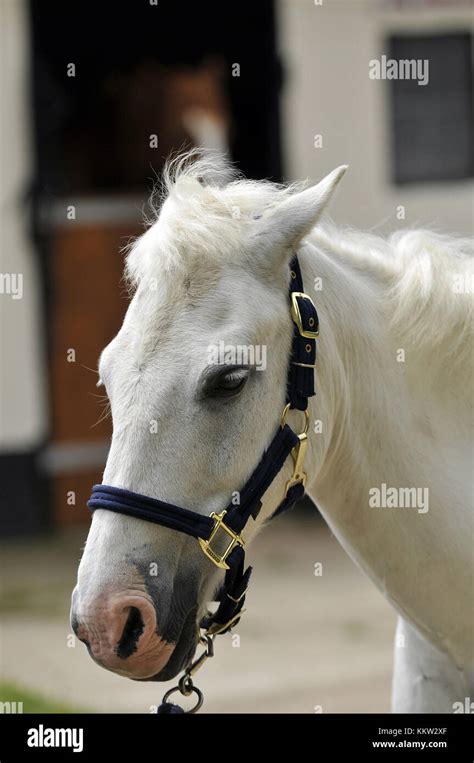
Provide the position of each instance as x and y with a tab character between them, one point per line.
122	634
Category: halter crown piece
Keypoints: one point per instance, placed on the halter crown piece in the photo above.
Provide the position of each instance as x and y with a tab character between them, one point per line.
219	535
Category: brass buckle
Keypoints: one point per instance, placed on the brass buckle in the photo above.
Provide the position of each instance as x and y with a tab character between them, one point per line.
235	540
296	314
298	453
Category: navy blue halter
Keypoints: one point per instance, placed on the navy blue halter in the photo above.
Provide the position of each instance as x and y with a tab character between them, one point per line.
229	524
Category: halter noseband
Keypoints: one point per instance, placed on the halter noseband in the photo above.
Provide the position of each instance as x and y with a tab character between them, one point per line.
211	529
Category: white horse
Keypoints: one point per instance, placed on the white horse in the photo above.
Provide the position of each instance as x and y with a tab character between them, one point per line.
389	466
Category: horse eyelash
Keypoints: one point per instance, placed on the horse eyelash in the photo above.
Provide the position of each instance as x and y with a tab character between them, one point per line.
237	374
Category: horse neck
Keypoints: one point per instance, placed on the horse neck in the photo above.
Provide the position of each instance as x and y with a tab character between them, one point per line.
355	352
379	428
360	400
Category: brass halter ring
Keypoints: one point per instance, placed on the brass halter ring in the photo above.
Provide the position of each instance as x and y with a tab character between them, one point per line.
285	413
186	687
299	451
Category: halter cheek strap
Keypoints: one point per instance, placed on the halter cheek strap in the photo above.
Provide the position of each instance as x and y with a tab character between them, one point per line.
219	535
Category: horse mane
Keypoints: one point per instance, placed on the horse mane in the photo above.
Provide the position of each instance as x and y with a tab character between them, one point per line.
431	298
426	279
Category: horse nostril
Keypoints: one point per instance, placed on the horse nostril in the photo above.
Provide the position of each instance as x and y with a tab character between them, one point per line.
132	631
76	626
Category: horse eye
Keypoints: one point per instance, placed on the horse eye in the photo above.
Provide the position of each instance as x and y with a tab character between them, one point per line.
228	383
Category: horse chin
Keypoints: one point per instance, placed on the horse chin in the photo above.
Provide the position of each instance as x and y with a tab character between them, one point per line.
182	654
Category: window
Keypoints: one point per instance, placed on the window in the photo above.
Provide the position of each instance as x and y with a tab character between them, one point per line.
432	124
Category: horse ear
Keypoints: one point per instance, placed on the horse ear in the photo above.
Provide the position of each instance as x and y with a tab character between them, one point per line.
292	219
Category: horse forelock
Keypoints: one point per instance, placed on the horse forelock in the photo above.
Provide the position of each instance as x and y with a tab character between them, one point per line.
201	216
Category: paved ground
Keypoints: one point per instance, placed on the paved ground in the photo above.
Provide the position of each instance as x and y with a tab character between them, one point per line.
306	641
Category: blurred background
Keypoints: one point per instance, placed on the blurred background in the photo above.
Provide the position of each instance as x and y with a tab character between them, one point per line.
95	96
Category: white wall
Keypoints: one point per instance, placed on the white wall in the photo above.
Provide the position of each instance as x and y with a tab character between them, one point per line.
22	398
326	51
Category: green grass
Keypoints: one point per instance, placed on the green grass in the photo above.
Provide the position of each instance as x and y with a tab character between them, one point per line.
32	701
